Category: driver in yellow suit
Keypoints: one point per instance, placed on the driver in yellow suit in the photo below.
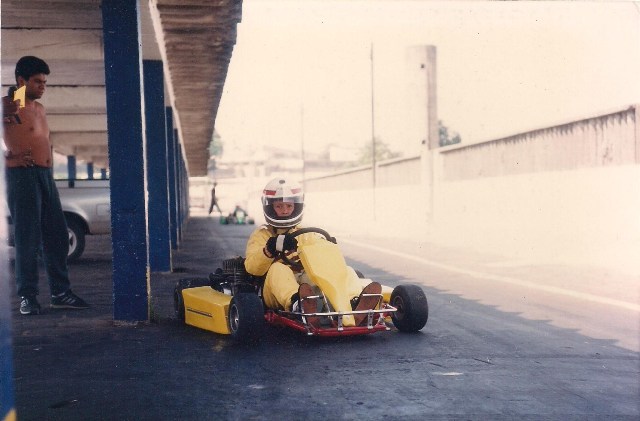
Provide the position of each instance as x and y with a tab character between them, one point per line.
283	205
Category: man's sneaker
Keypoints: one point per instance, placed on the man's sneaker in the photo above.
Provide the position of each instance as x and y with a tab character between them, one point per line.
68	300
309	305
368	300
29	305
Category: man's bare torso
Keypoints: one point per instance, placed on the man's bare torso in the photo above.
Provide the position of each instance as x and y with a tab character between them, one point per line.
28	143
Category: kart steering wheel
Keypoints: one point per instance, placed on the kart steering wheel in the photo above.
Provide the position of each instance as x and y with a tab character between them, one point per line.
297	265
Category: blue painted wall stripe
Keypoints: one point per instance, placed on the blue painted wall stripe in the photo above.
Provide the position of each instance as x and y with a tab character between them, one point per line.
125	125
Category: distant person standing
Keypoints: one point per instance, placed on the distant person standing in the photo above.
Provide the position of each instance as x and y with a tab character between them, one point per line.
32	194
214	199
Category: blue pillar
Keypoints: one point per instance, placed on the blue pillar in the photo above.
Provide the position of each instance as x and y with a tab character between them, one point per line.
184	213
90	170
7	408
125	122
157	170
7	394
71	170
103	173
180	186
173	187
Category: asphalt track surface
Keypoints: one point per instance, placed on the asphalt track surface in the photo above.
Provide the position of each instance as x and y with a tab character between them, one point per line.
505	340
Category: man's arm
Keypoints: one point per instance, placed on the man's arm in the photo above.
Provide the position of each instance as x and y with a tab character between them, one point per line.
10	111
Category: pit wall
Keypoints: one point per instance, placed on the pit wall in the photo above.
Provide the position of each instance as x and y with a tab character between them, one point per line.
567	193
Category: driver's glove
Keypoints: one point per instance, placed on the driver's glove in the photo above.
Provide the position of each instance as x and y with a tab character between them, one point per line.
282	242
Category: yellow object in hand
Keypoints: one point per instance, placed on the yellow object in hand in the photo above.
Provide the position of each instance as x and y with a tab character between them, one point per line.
19	94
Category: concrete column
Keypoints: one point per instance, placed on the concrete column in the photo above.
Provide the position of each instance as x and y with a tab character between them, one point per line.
637	123
173	186
157	171
422	114
125	122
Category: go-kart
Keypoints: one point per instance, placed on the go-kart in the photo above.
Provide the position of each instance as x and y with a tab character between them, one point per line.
237	217
229	301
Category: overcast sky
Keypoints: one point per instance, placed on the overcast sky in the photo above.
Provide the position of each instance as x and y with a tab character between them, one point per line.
301	69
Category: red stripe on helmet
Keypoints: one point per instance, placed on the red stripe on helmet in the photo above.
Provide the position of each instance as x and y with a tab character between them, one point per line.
294	191
269	192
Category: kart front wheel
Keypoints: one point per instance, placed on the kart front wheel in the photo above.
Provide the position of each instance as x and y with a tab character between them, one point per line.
413	309
246	317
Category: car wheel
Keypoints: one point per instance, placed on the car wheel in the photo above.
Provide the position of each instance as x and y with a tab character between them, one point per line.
76	240
246	317
413	309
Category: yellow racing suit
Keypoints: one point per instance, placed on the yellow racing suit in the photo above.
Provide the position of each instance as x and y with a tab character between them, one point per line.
281	283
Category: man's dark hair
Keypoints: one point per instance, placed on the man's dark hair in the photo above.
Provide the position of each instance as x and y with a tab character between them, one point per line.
28	66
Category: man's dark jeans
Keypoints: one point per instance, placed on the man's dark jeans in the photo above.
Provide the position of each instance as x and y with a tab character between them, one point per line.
38	220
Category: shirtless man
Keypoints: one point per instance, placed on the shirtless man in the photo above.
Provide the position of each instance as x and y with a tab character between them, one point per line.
32	194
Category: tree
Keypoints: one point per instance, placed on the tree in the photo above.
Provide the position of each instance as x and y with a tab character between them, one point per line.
216	146
383	152
445	138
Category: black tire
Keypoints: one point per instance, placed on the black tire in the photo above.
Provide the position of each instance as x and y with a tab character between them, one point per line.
178	300
76	240
178	303
246	317
413	309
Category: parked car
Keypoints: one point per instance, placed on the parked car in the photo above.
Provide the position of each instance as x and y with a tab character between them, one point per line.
87	207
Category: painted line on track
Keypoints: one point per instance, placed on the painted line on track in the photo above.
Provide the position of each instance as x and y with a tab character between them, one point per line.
504	279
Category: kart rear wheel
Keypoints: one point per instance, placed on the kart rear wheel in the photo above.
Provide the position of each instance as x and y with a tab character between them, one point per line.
413	309
246	317
178	303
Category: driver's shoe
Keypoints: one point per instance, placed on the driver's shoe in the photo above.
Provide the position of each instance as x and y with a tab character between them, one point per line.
368	300
309	305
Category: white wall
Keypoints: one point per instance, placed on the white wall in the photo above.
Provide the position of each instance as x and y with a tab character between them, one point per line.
566	194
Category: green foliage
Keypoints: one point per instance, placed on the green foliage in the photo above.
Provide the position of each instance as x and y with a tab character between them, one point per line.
445	137
216	145
383	152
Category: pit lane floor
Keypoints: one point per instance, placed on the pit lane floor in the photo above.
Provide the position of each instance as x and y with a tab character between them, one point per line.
484	353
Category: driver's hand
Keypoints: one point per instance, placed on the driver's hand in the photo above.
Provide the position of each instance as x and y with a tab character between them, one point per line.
271	246
282	242
289	243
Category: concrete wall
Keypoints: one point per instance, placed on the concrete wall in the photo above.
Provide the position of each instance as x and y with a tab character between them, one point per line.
567	193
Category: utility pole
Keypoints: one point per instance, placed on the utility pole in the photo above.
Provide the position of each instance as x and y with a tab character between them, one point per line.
373	138
302	145
373	127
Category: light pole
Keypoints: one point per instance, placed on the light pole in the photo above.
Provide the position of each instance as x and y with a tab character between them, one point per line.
373	138
302	144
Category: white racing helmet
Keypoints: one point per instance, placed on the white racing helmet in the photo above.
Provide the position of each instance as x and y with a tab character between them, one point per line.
281	190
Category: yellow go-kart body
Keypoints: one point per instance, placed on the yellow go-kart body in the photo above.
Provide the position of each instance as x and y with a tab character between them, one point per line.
325	266
207	309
